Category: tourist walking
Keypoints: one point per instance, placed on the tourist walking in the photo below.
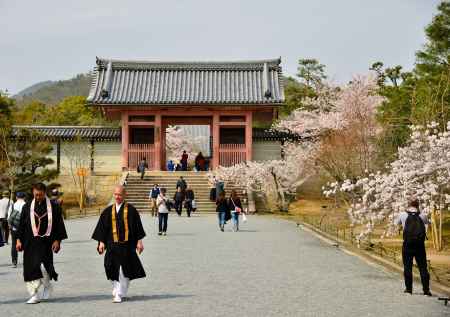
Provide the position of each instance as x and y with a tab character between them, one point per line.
235	206
162	204
152	196
6	205
184	161
178	198
142	167
39	235
14	223
119	232
223	211
56	197
189	200
181	183
414	234
220	187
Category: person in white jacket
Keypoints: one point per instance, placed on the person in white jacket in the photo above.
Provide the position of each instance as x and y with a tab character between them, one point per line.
14	222
6	206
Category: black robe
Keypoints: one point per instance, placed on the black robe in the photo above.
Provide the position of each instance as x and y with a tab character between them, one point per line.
37	250
121	253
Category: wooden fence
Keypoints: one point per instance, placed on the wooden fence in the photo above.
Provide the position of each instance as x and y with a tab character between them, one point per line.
231	154
136	152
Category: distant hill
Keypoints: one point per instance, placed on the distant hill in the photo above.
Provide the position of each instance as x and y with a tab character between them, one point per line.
52	92
32	89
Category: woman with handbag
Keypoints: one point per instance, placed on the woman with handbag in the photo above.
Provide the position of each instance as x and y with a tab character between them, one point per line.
235	206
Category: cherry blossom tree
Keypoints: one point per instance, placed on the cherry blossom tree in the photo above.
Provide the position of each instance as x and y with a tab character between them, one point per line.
343	126
422	170
273	178
178	141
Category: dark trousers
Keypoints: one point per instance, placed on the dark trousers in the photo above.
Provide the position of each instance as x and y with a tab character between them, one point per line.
189	207
142	173
409	252
163	217
178	207
13	247
5	229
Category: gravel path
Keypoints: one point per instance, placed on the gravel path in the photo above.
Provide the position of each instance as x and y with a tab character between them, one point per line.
270	268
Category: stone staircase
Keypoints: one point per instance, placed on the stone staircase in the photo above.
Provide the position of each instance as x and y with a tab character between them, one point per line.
138	190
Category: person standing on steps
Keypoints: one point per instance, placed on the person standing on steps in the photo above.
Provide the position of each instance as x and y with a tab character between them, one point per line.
184	161
235	206
40	233
162	204
119	232
178	197
142	167
189	200
223	210
181	183
152	196
14	223
414	235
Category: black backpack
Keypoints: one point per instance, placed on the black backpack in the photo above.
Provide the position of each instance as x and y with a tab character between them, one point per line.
414	230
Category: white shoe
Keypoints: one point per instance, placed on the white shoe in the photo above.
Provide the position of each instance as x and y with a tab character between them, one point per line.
34	299
46	292
117	299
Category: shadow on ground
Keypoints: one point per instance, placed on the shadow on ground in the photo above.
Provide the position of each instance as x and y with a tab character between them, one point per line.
94	298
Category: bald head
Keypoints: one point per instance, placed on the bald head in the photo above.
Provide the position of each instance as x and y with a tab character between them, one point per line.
119	194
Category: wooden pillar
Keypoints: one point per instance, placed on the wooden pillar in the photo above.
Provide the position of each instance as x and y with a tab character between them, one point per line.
92	156
125	140
248	136
216	140
158	141
58	155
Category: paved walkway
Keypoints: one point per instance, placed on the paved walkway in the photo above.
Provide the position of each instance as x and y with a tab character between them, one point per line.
270	268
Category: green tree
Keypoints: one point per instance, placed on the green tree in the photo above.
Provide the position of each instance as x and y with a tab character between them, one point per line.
33	113
420	96
73	111
26	159
309	81
311	72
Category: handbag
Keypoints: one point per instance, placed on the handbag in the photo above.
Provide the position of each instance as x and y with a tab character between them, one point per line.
236	209
244	218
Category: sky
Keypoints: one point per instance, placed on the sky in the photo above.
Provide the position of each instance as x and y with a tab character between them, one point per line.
54	40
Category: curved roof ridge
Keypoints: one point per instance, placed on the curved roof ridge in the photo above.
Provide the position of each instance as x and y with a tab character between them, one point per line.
102	60
63	126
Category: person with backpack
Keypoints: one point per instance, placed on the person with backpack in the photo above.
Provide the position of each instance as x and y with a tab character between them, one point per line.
153	195
14	222
414	235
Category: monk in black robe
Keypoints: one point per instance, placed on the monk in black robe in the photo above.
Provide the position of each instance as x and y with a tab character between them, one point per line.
40	233
119	231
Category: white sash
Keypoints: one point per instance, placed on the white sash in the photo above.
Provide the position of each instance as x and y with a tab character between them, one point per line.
49	215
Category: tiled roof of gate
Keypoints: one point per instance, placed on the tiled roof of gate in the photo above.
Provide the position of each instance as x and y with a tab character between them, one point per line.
118	82
100	133
70	132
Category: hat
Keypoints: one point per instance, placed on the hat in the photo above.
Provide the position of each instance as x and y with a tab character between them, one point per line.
20	195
